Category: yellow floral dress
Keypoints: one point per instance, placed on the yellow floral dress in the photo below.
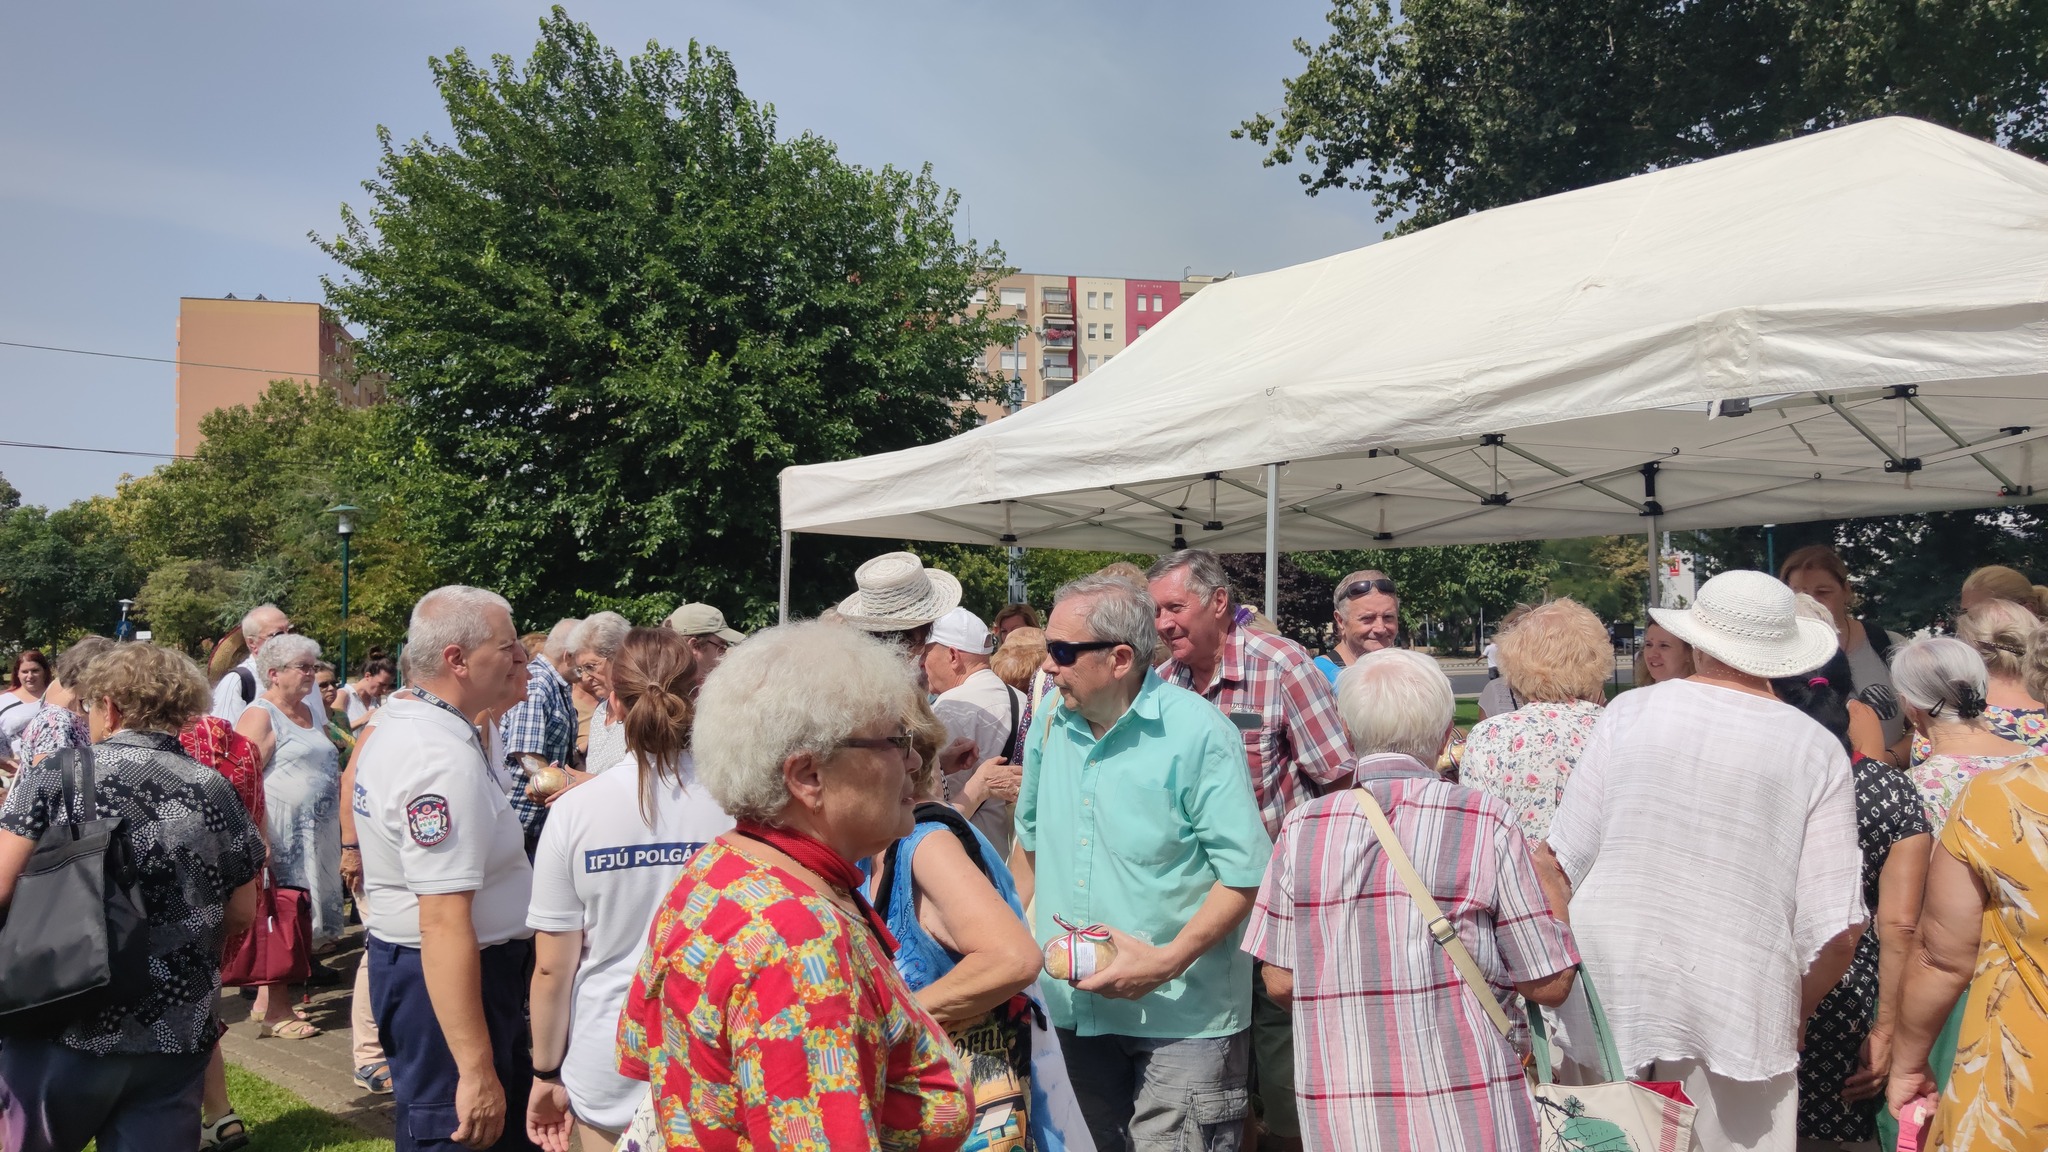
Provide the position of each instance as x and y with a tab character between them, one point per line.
1997	1096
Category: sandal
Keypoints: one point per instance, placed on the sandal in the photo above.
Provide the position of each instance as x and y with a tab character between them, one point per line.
374	1077
293	1029
227	1134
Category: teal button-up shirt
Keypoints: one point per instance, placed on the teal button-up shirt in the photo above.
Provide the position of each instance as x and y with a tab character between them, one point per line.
1133	830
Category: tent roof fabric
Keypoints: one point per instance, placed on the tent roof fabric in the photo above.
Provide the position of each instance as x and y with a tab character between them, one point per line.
1877	295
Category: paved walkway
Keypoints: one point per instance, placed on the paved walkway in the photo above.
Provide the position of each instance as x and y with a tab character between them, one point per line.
319	1069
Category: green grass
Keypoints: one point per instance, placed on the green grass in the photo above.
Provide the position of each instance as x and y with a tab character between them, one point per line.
281	1122
1468	713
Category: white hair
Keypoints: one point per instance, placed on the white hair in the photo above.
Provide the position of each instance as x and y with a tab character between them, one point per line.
558	648
1942	676
793	688
252	620
453	614
1116	609
282	652
1395	700
602	634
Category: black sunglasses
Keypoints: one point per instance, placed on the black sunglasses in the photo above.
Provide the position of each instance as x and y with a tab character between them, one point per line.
1065	652
1362	587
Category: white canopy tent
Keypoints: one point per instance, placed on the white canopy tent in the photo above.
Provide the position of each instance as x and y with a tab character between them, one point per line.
1852	323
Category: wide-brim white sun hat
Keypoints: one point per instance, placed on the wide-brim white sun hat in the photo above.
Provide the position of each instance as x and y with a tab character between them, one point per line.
897	592
1750	621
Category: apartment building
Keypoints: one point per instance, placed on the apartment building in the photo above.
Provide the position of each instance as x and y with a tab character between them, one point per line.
1073	325
230	351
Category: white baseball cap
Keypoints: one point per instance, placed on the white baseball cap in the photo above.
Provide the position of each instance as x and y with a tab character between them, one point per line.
963	630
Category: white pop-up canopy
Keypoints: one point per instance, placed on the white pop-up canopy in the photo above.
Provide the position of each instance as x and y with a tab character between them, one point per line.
1852	323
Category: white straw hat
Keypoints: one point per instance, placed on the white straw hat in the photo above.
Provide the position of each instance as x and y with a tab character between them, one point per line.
897	592
1751	622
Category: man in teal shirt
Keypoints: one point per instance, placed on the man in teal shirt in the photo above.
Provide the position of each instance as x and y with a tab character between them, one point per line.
1136	812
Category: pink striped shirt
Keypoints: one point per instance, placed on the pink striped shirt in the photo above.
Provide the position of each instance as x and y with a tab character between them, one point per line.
1393	1051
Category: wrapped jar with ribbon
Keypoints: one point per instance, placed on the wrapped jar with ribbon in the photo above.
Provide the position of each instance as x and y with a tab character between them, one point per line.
1079	952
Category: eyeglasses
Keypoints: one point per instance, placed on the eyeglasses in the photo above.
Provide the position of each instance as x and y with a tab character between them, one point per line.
304	667
1365	587
1065	652
901	743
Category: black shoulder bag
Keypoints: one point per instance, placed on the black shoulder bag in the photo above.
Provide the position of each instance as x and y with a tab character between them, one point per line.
76	935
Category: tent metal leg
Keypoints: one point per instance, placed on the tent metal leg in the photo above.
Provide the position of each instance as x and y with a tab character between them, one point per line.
1656	567
1273	543
782	603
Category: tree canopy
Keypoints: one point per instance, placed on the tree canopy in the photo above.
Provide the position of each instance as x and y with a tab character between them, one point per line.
616	303
1445	107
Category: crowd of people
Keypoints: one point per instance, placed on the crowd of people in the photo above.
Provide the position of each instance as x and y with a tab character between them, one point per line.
1140	874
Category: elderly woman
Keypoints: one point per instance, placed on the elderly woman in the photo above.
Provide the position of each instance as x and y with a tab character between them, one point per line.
1557	658
130	1072
2008	637
1710	833
1997	582
301	801
642	822
593	645
1436	1073
1663	657
1984	881
1942	684
766	1012
1846	1060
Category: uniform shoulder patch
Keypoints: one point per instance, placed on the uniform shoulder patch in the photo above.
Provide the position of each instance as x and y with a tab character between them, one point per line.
427	820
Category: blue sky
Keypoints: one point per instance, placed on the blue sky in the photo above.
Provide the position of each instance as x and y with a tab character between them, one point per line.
152	151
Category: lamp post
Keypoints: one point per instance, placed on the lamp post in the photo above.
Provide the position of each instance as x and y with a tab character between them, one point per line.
345	527
1015	553
124	629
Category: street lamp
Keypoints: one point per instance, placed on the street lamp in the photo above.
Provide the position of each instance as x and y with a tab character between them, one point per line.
122	630
346	527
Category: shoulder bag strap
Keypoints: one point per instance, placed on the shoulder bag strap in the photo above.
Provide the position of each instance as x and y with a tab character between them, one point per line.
1015	735
1440	927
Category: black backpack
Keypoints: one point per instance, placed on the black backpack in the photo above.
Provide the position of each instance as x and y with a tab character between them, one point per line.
76	935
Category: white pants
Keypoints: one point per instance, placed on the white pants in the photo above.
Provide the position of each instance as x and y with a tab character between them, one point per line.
1736	1115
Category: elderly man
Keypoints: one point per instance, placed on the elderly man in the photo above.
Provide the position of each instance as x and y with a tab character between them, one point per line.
239	688
897	598
1293	742
1396	1054
709	635
977	708
1367	618
1136	813
446	881
543	724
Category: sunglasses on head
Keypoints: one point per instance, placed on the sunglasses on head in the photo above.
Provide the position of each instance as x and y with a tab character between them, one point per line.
1065	652
1363	587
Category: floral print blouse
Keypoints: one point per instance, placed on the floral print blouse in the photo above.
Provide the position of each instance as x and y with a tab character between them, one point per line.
2027	726
1523	757
1940	779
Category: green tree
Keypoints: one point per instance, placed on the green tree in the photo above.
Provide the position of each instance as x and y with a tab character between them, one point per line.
1450	586
618	303
1444	107
62	573
188	603
1607	574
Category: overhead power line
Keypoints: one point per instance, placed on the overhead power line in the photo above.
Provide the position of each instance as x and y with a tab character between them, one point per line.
156	360
100	451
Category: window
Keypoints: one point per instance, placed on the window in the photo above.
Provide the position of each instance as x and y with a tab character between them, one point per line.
1091	299
1158	305
1108	331
1013	297
981	295
1141	302
1013	361
1109	299
1091	331
1141	331
1092	361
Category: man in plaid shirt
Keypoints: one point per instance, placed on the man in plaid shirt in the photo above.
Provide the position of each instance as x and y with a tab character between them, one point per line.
1398	1051
545	725
1282	706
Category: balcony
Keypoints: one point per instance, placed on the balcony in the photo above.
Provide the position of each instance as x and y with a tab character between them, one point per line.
1053	373
1056	302
1057	339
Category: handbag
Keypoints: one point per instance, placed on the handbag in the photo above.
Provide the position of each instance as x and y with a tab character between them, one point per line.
76	935
1617	1113
278	947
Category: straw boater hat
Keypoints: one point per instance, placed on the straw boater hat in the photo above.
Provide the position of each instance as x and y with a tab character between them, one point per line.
1751	622
897	593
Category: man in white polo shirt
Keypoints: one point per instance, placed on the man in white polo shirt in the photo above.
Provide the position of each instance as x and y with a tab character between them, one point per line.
446	881
977	708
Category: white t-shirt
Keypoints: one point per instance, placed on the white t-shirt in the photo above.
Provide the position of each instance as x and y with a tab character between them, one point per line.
1710	837
432	818
353	702
602	871
229	705
978	708
1492	654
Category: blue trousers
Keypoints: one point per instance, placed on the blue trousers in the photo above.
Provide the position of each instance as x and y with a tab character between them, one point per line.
423	1073
55	1099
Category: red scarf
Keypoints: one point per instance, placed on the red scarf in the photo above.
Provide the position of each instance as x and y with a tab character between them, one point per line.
830	866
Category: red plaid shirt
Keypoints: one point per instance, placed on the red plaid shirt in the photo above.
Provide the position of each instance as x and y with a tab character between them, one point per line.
1283	707
214	742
